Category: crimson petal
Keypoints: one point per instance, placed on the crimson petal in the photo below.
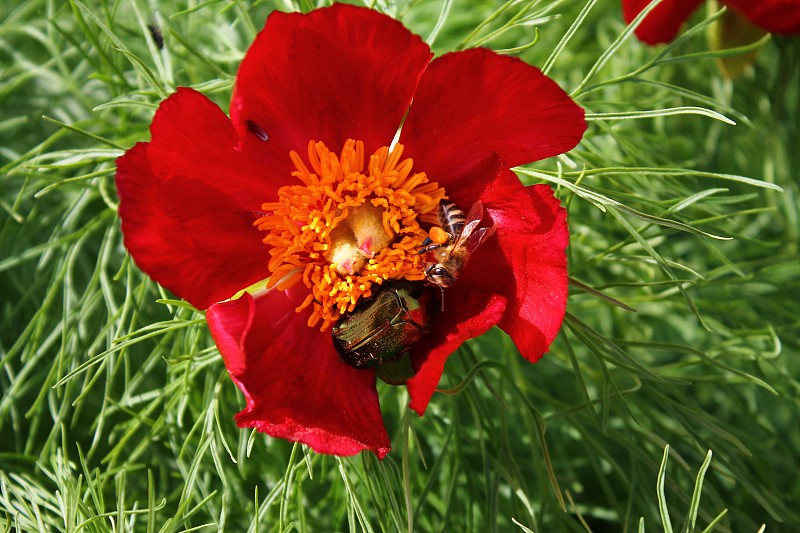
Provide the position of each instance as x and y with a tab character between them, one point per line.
523	266
469	313
525	262
473	103
662	24
776	16
295	386
194	141
185	207
527	265
331	74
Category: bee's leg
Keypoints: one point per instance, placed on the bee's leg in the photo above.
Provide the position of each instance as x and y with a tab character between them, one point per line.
429	247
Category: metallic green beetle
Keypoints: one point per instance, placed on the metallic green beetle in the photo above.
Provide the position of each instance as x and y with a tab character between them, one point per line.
382	328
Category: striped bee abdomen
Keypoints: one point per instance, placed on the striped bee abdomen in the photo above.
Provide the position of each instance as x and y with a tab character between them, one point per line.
451	218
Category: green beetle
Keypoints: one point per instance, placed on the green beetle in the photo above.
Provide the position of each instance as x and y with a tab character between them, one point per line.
382	328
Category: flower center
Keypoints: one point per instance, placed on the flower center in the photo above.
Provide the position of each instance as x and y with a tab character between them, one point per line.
347	225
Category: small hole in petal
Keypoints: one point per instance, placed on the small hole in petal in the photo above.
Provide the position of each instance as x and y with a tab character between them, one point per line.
257	130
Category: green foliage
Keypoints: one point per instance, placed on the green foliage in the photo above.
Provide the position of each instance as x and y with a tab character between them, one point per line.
681	335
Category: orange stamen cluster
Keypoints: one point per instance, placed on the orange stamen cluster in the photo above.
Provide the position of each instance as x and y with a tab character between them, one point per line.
347	225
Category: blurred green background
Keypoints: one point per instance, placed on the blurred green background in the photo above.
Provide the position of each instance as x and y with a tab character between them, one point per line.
682	329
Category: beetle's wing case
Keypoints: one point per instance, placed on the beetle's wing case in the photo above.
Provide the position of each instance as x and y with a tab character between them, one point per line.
357	335
385	326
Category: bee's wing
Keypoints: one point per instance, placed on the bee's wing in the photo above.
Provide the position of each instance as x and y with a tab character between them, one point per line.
471	237
477	238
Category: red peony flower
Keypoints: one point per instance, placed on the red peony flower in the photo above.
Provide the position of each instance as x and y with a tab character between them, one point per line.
303	186
663	23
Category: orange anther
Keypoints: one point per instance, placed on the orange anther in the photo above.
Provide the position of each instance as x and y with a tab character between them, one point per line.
347	224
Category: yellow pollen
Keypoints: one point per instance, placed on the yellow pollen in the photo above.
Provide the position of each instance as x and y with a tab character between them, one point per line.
348	223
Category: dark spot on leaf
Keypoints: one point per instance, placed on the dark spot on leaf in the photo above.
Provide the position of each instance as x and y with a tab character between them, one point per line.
155	33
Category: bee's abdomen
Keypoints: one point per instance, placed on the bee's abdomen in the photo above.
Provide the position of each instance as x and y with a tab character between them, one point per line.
451	218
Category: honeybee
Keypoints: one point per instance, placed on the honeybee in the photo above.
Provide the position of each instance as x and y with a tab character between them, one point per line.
454	242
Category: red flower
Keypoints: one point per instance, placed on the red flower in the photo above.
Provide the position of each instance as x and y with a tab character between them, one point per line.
212	205
663	23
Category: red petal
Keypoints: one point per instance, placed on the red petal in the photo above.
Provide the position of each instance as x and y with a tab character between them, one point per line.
332	74
189	236
525	262
523	267
194	141
663	23
530	270
294	383
776	16
469	313
473	103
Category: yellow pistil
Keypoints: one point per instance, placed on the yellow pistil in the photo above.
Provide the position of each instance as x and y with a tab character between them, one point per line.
347	225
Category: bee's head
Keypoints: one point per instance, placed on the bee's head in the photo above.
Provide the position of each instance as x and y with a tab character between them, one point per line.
439	275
